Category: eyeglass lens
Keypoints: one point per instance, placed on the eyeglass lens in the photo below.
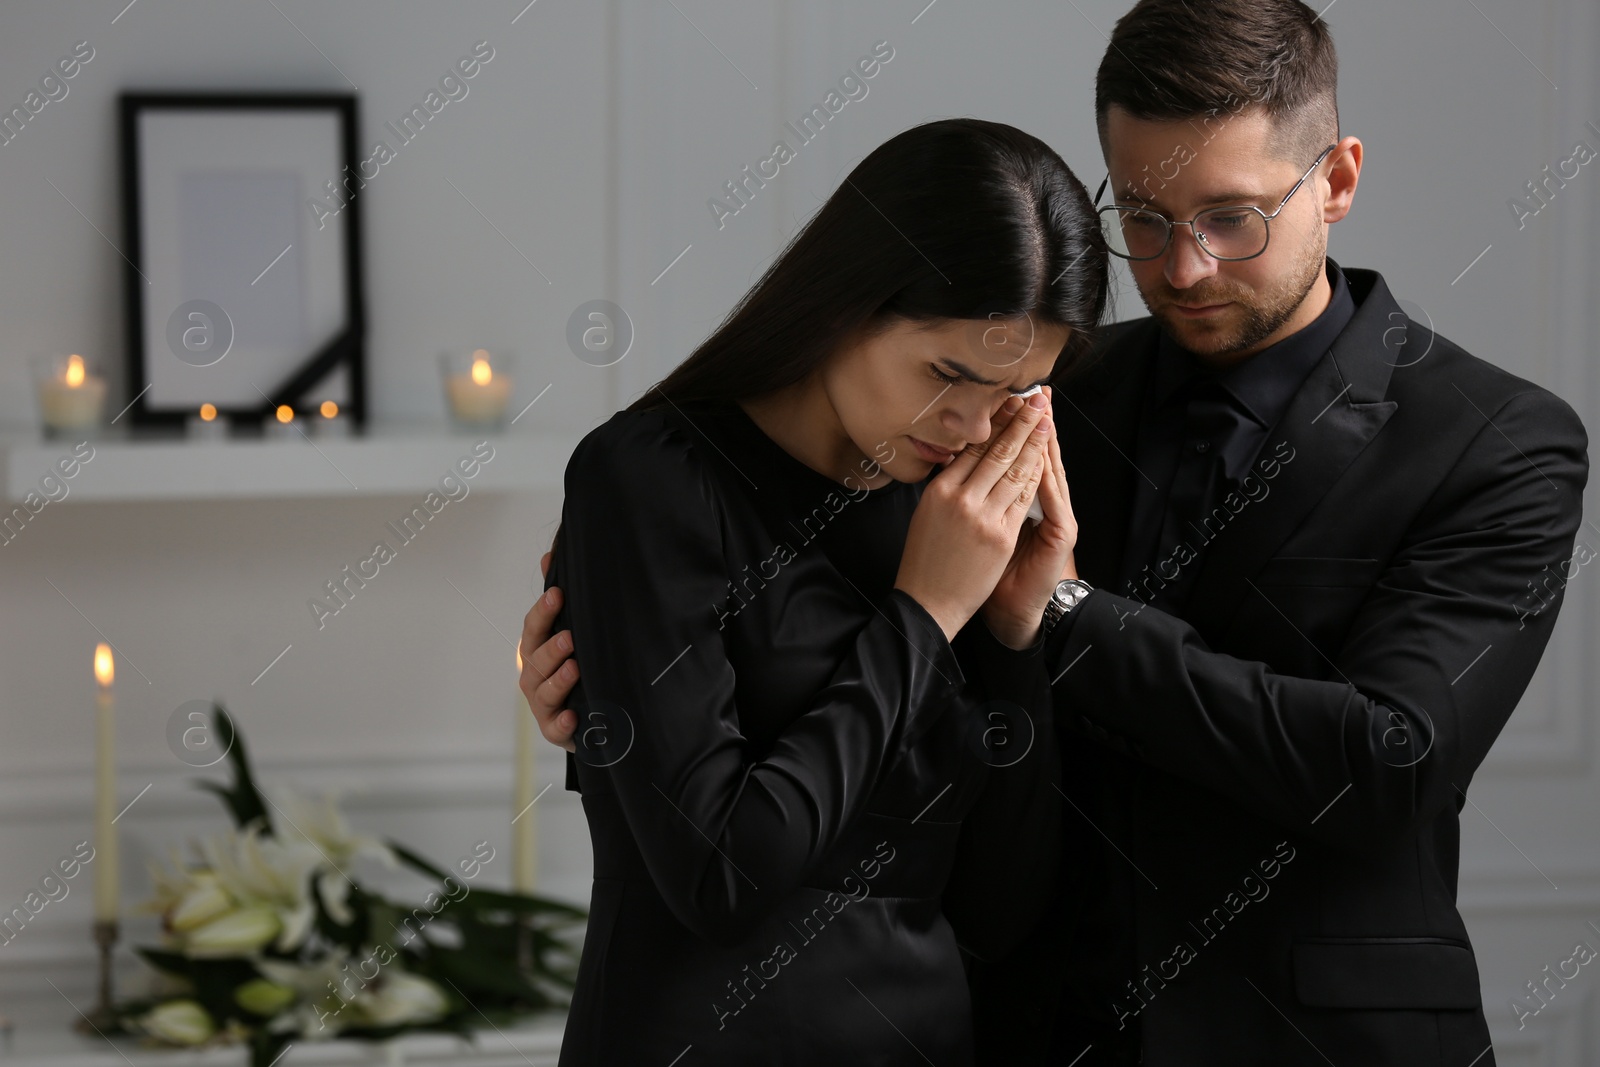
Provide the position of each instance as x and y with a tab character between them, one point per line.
1227	233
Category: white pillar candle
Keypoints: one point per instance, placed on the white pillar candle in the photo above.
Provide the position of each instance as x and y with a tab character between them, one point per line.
480	394
73	398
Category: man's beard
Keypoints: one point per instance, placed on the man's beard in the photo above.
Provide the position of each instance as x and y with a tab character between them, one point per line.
1254	316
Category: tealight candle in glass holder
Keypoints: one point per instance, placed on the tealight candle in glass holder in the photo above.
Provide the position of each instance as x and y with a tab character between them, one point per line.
329	422
283	426
72	395
477	387
207	425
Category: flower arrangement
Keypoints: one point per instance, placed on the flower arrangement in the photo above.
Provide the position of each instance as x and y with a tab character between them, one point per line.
269	939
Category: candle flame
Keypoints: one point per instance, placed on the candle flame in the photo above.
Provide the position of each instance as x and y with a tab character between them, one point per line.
208	411
285	413
104	671
482	373
519	661
329	409
75	371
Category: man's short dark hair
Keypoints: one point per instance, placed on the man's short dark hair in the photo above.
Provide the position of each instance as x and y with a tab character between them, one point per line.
1170	60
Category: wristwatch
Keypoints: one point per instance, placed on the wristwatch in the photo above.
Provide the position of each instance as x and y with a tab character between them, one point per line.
1069	594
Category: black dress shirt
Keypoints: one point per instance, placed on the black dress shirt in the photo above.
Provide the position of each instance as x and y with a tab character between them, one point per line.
1199	432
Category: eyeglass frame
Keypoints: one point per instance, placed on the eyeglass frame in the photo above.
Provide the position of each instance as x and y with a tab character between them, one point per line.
1167	244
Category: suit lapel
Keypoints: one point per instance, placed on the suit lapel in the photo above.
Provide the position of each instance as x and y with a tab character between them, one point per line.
1336	411
1333	415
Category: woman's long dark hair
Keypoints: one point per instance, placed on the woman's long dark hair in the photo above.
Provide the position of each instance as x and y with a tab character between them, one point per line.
954	219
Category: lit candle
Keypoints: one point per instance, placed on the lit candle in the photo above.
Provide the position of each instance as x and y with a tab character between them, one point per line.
283	425
208	425
71	398
480	395
331	424
524	839
105	791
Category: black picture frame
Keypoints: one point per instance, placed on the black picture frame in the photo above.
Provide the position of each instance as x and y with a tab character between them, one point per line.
336	360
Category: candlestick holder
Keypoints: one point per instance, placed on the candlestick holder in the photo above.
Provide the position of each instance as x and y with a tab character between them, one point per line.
102	1019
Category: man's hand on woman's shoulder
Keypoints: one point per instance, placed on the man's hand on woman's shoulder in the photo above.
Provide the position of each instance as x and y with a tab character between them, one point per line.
548	670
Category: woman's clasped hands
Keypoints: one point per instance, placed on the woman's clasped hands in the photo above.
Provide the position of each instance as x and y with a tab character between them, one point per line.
969	549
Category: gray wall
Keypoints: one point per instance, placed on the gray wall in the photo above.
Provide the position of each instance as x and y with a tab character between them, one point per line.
591	143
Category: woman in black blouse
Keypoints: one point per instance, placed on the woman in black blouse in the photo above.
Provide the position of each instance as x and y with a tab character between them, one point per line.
811	782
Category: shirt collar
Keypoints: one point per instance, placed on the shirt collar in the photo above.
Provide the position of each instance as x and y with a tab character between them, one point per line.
1263	384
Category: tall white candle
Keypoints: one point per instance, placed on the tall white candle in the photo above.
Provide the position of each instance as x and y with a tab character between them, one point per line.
524	836
105	790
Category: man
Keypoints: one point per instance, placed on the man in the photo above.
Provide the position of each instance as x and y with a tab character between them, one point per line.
1308	527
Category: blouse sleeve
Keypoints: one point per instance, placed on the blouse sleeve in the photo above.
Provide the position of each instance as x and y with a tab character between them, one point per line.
1008	856
724	836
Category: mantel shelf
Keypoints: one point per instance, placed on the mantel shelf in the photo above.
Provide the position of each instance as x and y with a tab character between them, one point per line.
397	458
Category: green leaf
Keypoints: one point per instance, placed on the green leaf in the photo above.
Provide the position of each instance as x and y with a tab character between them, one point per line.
242	798
490	900
213	980
416	862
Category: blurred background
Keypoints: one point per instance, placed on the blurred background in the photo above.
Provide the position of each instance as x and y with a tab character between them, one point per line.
580	166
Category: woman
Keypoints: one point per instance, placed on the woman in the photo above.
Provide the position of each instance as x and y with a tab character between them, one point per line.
802	807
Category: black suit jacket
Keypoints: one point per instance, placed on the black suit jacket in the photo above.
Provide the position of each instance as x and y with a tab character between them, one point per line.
1287	761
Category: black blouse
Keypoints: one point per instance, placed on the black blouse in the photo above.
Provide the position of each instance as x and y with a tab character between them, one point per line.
804	803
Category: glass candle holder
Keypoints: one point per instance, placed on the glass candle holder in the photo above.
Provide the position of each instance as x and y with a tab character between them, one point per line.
283	425
329	421
72	395
208	425
477	387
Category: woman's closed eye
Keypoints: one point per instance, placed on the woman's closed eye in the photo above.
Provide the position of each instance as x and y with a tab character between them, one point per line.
948	379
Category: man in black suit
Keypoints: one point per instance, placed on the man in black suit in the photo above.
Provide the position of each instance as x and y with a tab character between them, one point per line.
1308	528
1311	527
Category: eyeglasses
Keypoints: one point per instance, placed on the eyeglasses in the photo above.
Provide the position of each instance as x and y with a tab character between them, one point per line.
1230	233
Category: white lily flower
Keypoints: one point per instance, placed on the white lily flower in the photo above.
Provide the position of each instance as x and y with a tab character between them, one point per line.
238	933
256	868
271	872
396	998
334	888
172	884
321	1012
181	1022
322	824
204	900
